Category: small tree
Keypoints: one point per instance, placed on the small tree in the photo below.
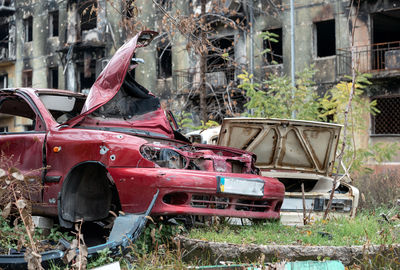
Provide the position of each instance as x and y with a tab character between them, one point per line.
334	106
276	102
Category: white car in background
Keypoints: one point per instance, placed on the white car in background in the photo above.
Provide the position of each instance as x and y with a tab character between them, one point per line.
295	152
205	136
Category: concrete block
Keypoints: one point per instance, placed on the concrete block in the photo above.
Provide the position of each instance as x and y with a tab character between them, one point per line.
42	222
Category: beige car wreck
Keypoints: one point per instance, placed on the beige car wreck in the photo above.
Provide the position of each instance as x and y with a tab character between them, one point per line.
295	152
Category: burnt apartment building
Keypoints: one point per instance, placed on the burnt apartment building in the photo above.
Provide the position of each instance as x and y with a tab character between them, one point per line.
323	34
65	44
55	44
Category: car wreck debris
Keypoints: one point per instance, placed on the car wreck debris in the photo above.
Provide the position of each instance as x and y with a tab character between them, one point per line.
126	230
298	153
114	149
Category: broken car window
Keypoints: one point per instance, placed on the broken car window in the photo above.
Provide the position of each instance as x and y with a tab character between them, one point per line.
25	118
61	107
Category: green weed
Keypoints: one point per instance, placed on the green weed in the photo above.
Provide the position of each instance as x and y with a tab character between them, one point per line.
334	232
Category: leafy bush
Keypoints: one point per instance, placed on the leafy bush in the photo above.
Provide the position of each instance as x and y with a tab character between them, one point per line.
280	99
157	236
185	122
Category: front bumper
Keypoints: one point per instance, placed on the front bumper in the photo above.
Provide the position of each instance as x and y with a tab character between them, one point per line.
125	231
296	218
189	192
343	205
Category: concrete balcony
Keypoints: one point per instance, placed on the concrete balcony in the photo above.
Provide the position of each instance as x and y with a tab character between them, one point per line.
381	60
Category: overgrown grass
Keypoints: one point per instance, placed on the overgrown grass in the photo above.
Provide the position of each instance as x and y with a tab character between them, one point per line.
158	259
365	228
378	189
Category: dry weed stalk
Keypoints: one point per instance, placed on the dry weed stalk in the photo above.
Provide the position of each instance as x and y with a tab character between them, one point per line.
78	252
348	109
15	192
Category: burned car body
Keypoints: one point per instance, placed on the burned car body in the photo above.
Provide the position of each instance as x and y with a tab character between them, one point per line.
114	149
295	152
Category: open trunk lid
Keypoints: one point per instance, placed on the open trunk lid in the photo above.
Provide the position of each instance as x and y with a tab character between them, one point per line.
280	144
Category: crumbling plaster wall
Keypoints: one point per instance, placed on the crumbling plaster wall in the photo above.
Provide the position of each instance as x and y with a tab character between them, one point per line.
307	13
382	85
15	124
113	20
181	60
40	53
9	69
369	7
40	49
146	74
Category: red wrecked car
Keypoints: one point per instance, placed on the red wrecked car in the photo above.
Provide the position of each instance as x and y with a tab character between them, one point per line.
114	149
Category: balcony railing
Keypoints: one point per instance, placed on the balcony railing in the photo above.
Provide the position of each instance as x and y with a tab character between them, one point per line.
190	79
375	58
220	77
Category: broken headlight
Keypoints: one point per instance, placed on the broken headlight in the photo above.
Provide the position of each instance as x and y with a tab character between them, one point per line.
164	157
338	205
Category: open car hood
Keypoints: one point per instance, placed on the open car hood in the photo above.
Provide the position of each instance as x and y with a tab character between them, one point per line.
305	146
110	80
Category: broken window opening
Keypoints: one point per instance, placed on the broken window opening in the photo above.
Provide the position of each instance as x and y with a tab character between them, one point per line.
25	118
53	24
27	78
3	129
386	26
324	38
6	3
274	55
219	61
86	71
387	122
4	81
222	47
386	40
28	31
53	77
4	36
86	82
88	15
164	62
130	9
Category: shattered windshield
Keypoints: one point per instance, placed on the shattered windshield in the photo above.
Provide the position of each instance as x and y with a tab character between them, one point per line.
62	107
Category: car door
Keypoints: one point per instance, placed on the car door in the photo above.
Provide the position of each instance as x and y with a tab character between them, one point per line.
22	137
